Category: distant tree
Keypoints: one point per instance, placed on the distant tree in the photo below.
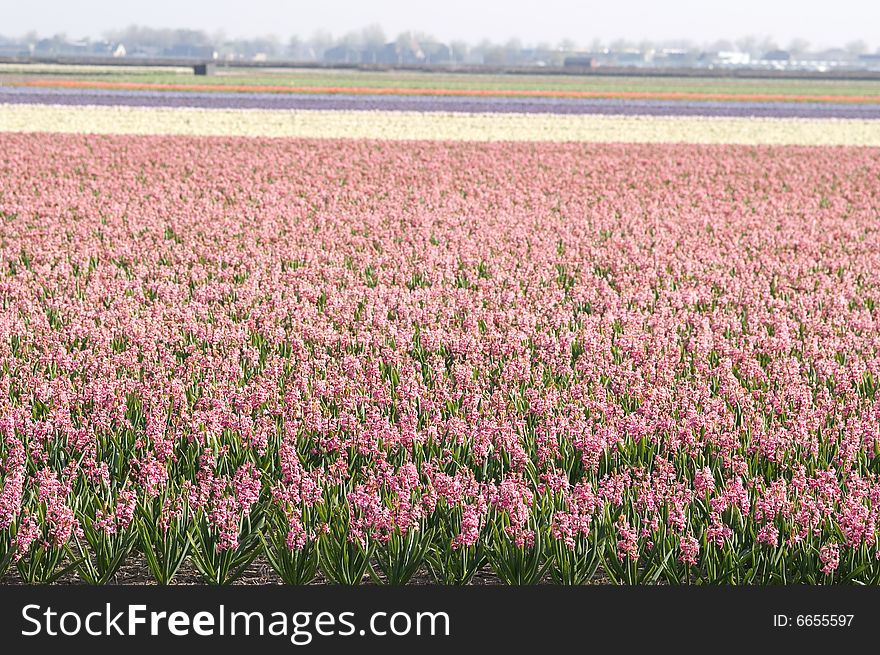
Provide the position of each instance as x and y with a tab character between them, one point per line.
135	37
798	47
489	53
459	50
373	36
423	37
294	47
766	44
403	40
513	51
270	44
190	37
351	40
319	43
747	44
403	44
372	39
495	56
857	47
682	44
720	45
624	44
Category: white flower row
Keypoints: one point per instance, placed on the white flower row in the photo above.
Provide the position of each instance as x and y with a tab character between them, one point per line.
401	125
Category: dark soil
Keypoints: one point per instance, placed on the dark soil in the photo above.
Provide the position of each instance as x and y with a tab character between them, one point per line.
135	572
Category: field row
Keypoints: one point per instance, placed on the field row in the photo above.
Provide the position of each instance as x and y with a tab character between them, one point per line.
419	83
448	126
518	105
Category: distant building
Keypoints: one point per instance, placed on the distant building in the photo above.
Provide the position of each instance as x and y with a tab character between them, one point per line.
871	62
436	53
11	48
777	55
631	58
187	51
402	54
205	69
44	47
839	55
342	54
579	61
106	49
724	58
675	57
145	51
371	54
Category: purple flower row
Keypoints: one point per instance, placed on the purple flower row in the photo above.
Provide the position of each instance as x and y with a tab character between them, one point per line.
219	100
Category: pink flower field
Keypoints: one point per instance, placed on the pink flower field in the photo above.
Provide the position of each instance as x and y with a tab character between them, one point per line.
365	360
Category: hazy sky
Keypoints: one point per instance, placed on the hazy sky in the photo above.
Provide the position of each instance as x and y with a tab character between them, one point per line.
821	22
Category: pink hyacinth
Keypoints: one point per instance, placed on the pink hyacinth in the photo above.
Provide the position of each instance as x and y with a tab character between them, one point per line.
627	540
689	547
829	555
10	497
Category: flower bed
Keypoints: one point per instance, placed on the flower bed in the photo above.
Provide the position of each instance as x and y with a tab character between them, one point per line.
381	360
